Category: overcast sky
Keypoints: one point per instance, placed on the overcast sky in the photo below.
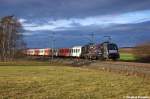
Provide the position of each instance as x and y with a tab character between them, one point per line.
72	21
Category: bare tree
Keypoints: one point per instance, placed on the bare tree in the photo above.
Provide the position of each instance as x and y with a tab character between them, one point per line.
10	38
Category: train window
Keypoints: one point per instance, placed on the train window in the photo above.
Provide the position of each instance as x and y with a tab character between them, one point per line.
112	47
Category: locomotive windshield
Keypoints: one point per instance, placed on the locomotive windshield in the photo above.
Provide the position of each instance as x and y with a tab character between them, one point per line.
112	47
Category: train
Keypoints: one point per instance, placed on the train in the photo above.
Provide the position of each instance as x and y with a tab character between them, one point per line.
105	50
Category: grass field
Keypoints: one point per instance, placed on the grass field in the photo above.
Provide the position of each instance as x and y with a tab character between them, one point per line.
127	57
28	63
60	82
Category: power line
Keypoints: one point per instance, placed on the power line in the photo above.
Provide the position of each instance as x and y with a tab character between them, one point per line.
92	35
52	40
53	45
109	38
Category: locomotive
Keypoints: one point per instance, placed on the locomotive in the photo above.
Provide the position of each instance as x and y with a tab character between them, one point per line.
105	50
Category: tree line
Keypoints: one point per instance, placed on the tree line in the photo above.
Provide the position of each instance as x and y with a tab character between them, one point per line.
11	38
142	52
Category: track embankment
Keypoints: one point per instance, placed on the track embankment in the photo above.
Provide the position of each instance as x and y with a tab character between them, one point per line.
127	68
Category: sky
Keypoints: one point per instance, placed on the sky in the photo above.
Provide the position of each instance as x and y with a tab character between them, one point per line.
72	22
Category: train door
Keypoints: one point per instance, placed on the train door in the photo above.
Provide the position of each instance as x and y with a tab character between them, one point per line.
36	52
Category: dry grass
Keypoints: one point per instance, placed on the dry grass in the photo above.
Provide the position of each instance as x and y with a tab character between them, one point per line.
53	82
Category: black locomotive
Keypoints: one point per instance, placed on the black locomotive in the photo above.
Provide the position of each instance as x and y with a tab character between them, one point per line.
105	50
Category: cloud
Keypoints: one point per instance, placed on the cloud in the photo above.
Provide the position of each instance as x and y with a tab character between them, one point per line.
105	22
69	8
118	18
133	17
27	33
22	20
45	27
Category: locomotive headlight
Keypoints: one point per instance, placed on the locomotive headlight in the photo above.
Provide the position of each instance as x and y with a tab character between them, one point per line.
112	51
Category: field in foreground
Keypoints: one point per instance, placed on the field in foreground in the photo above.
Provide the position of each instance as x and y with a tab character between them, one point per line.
53	82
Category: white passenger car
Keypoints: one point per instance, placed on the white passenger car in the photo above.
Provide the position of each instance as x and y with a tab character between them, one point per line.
41	52
44	52
76	51
31	52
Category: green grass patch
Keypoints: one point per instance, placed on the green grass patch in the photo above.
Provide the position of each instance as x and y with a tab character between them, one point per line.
127	57
54	82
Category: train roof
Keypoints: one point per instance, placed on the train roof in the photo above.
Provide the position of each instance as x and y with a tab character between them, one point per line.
77	47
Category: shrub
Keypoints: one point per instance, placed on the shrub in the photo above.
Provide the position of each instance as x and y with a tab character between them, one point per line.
142	52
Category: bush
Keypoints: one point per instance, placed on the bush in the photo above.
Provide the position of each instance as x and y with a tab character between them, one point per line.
142	52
